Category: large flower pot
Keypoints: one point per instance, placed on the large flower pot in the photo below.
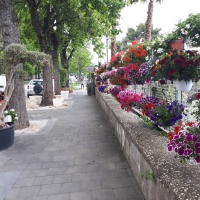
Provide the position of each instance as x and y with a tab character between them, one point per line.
183	86
7	136
177	44
64	94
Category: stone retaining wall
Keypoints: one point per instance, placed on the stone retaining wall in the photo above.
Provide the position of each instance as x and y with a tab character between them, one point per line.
146	153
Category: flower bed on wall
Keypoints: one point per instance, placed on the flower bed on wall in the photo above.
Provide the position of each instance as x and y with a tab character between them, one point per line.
158	172
184	137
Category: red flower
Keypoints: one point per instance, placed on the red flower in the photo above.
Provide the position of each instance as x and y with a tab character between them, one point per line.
135	42
177	129
170	135
177	62
163	61
198	95
190	123
162	82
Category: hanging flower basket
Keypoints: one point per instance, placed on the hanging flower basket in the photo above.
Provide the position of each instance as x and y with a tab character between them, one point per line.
183	86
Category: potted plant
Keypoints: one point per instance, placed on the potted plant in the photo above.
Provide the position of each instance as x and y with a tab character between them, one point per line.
179	67
136	54
185	141
116	60
188	30
128	99
166	113
7	133
10	57
139	75
88	88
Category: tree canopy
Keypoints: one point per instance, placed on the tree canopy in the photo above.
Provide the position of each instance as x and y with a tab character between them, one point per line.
134	34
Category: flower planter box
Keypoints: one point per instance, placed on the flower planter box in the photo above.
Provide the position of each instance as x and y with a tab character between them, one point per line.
145	152
7	136
57	102
64	94
37	99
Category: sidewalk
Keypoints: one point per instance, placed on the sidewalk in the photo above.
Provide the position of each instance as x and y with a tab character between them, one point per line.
75	157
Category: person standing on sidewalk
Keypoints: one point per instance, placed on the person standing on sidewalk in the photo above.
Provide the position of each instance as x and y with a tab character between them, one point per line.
82	84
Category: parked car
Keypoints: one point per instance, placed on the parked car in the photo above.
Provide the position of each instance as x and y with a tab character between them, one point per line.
35	87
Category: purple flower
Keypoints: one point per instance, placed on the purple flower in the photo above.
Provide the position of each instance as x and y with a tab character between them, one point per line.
195	138
186	153
197	145
102	88
197	159
189	138
176	137
170	148
197	151
180	151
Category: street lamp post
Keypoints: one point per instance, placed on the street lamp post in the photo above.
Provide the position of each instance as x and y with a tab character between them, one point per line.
106	50
107	44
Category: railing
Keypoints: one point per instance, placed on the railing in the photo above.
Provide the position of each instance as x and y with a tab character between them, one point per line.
166	91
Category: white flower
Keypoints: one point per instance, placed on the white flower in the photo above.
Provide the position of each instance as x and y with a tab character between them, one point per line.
147	58
148	48
16	118
159	50
195	103
197	35
12	110
186	128
182	30
195	109
186	32
6	112
153	42
187	26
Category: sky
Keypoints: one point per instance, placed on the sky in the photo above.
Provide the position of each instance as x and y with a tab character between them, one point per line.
165	16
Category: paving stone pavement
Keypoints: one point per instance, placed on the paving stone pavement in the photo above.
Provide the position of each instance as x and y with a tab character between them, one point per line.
75	157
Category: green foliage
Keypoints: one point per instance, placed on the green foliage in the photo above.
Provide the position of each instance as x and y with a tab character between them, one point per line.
148	175
16	53
88	87
12	113
189	29
178	65
80	60
157	47
29	69
63	77
21	74
70	23
133	34
27	34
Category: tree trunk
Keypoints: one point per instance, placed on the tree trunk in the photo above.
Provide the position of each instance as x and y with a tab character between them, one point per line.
65	62
56	71
47	97
9	28
43	35
67	83
149	20
113	46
